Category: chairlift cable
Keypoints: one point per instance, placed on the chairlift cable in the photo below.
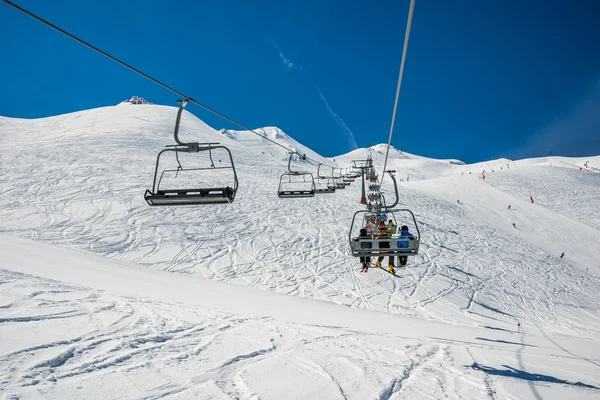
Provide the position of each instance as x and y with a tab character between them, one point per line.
137	71
404	50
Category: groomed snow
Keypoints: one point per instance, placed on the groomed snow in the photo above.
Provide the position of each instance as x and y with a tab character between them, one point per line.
102	296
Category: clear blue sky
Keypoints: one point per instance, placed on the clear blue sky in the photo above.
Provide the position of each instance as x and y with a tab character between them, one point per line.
483	79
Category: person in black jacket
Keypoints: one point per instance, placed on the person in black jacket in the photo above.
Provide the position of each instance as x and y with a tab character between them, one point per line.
364	261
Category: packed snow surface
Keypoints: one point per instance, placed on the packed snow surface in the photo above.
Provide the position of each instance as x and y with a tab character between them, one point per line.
102	296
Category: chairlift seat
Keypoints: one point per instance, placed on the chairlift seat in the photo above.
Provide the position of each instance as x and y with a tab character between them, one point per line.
372	247
183	197
296	193
329	189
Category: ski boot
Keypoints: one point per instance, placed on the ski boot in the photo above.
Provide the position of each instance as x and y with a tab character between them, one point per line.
377	264
391	270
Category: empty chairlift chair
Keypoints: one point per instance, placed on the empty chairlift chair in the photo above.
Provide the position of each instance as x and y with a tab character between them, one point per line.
296	184
324	184
339	183
342	179
179	185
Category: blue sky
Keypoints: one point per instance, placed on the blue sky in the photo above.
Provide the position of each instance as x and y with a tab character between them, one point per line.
483	79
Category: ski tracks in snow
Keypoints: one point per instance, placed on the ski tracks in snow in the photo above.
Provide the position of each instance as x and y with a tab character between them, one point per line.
92	341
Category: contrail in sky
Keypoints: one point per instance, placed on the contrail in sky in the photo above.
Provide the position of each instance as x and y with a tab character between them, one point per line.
289	64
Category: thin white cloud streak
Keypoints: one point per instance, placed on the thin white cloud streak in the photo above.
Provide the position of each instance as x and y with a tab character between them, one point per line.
286	61
338	120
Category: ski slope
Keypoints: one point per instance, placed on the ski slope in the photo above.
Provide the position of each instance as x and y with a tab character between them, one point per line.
88	290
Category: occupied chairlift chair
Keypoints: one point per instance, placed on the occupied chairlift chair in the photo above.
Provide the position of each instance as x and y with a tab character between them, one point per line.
324	184
370	246
307	178
160	196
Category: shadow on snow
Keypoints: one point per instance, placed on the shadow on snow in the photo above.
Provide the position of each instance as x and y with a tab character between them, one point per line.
519	374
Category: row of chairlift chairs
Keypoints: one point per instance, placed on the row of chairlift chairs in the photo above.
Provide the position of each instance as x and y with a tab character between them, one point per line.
169	186
294	184
165	193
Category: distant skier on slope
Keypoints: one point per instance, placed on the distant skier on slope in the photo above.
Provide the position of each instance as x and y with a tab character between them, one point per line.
514	226
562	255
509	206
531	198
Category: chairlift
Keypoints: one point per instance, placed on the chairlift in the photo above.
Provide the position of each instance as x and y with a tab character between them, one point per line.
339	183
347	177
342	178
290	185
170	192
324	184
362	164
401	244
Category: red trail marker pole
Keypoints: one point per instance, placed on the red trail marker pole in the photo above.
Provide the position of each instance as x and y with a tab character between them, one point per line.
518	327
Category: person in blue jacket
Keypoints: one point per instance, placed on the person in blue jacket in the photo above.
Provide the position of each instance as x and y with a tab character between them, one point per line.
404	233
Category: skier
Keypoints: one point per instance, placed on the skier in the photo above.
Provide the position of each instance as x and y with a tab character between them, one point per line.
458	201
383	234
364	261
509	206
531	198
404	233
368	227
562	255
390	227
514	226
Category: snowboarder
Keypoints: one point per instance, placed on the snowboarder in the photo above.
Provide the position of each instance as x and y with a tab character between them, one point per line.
562	255
514	226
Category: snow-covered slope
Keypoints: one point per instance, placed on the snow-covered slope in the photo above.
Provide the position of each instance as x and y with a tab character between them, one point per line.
77	181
